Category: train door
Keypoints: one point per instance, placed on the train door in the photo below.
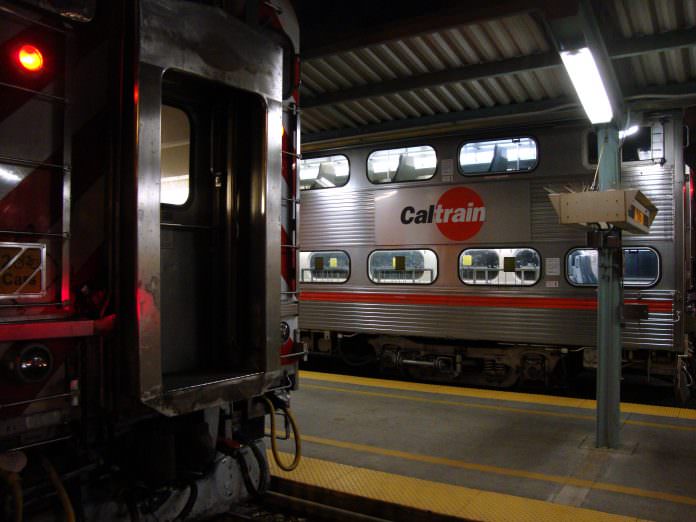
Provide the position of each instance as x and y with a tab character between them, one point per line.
189	235
205	165
207	197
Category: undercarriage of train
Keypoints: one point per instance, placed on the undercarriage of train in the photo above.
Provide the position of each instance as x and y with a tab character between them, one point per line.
158	468
500	365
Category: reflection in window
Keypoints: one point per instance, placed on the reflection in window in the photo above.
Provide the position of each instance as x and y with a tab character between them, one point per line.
405	164
641	266
324	267
499	266
496	156
176	156
325	172
647	143
402	266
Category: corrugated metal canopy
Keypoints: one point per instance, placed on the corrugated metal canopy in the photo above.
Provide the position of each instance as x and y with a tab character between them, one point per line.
500	65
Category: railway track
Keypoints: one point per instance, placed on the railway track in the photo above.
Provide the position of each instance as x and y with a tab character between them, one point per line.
291	502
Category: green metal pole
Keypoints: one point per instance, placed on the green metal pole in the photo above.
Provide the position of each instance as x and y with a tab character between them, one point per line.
609	302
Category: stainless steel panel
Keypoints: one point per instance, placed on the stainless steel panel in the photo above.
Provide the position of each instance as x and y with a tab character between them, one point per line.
545	223
209	42
514	325
338	218
289	309
148	245
656	182
265	224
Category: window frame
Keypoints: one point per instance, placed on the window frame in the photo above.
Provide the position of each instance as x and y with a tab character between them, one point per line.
652	161
193	151
629	285
501	268
367	163
323	156
437	266
350	267
501	172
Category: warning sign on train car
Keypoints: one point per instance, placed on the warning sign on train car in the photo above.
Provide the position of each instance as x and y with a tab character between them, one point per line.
22	269
470	214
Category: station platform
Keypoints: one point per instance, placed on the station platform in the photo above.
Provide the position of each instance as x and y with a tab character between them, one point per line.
488	455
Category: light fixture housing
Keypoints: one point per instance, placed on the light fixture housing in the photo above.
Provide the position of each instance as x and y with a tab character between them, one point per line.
582	69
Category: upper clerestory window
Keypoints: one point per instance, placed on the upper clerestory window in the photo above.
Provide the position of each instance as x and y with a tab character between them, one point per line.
405	164
646	143
324	172
478	158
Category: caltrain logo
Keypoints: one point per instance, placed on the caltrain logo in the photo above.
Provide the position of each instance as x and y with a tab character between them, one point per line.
459	214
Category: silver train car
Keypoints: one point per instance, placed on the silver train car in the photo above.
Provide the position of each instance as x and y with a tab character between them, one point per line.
142	342
443	256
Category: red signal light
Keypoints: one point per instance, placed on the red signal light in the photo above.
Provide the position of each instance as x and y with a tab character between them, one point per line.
30	58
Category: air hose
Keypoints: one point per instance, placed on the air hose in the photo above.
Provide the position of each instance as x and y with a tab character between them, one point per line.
274	444
60	489
13	483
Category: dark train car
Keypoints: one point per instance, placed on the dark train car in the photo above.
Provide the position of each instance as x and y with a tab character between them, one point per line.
142	166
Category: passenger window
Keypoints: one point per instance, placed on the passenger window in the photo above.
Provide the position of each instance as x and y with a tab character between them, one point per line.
324	172
641	266
324	267
405	164
497	156
402	266
645	144
176	156
500	266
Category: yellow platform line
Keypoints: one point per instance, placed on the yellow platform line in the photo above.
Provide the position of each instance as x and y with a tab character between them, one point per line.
491	407
566	402
499	470
436	497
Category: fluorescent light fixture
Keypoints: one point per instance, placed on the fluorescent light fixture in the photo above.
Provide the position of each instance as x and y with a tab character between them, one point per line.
628	132
584	74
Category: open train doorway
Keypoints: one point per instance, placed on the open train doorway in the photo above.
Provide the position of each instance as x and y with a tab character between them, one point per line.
207	157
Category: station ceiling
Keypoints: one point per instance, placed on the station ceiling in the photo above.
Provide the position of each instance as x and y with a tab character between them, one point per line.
377	68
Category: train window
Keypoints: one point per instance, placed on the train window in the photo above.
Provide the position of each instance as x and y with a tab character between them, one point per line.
324	172
647	143
324	267
402	266
499	266
176	156
405	164
478	158
641	266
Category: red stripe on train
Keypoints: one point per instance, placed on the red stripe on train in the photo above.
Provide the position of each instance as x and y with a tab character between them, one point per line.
470	300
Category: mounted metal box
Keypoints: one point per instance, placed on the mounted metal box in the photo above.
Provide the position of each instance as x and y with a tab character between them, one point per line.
628	209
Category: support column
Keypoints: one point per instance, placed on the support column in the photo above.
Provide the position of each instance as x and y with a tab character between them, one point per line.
609	301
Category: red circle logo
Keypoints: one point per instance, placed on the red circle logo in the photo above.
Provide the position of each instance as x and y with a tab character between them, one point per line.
463	213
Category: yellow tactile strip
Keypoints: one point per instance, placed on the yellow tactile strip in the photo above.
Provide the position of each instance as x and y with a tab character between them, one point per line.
566	402
493	406
503	471
442	499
